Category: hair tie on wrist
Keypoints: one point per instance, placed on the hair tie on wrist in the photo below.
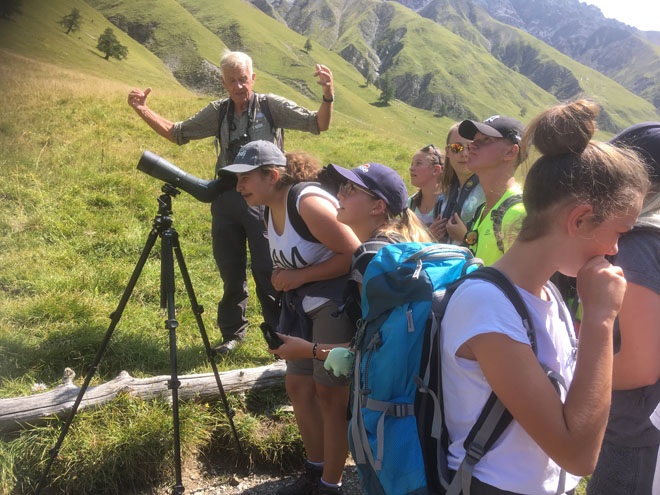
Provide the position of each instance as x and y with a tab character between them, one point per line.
314	351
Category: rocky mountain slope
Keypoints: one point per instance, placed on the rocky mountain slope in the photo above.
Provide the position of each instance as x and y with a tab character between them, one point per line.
434	70
623	53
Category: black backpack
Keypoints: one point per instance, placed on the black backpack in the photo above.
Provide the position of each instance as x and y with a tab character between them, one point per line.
497	216
296	220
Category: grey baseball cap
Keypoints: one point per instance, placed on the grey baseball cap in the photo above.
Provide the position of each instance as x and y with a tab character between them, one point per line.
495	126
256	154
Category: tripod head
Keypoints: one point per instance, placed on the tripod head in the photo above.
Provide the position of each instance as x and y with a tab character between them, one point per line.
163	219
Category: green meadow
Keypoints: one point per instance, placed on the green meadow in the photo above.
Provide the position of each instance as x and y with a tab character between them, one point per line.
75	214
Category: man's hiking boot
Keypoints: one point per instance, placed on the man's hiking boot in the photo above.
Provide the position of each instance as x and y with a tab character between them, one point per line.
306	484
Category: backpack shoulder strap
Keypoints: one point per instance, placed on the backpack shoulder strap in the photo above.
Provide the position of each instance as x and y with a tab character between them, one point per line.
296	220
224	107
279	132
438	206
468	187
502	282
497	216
494	417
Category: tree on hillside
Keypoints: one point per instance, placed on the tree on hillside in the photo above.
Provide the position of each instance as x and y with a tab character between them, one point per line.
71	22
369	79
109	44
10	7
387	91
308	45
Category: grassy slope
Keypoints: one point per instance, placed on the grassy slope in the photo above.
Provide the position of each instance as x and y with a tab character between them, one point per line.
449	60
492	89
74	215
277	51
35	35
648	59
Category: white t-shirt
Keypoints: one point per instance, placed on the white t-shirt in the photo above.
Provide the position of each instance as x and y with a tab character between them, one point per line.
655	417
291	251
515	462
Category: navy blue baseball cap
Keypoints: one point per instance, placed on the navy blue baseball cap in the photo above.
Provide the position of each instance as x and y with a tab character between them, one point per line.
379	179
645	139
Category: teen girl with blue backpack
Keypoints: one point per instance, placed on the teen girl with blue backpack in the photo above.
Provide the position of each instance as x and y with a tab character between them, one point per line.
373	203
311	252
580	196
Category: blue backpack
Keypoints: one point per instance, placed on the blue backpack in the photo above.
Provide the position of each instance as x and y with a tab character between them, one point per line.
397	434
397	294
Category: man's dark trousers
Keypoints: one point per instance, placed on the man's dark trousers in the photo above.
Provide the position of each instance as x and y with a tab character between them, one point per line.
233	223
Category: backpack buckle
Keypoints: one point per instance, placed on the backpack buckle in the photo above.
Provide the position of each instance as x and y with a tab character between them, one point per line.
474	453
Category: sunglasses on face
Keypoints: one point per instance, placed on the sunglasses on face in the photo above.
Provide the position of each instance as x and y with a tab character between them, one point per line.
458	147
347	188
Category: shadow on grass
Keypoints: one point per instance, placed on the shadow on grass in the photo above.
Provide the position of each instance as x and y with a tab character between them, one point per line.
379	104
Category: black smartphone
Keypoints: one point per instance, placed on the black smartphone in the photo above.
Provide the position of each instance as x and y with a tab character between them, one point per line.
271	336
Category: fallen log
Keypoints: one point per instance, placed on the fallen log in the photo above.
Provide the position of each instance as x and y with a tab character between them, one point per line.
36	408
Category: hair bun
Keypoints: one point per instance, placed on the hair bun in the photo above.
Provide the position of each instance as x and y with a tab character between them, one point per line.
564	128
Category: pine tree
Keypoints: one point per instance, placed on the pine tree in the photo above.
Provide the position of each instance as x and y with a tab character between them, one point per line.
369	79
10	7
387	91
109	44
308	45
71	22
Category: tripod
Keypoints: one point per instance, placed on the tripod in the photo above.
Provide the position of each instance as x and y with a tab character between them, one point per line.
162	226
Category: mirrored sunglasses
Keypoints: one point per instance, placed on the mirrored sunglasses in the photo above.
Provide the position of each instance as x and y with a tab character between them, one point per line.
458	147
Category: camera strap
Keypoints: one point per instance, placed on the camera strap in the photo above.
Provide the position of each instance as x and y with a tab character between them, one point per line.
231	113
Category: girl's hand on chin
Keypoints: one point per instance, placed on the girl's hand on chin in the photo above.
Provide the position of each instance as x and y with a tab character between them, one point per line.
601	287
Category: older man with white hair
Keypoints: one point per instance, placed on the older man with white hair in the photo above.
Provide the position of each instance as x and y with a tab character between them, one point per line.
234	121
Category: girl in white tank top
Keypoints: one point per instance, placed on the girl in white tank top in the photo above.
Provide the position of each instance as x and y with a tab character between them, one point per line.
306	263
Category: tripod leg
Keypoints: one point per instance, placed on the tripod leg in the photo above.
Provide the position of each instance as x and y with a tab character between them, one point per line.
114	316
167	285
198	310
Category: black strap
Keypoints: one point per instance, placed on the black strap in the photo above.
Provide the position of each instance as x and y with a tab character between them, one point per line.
222	112
295	219
227	110
503	283
456	200
497	217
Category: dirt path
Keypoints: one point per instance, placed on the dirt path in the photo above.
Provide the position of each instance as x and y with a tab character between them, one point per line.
259	482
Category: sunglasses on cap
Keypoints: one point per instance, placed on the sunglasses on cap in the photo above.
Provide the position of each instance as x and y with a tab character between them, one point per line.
432	149
347	188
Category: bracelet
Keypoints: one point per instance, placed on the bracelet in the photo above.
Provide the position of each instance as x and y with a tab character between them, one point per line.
314	351
329	100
